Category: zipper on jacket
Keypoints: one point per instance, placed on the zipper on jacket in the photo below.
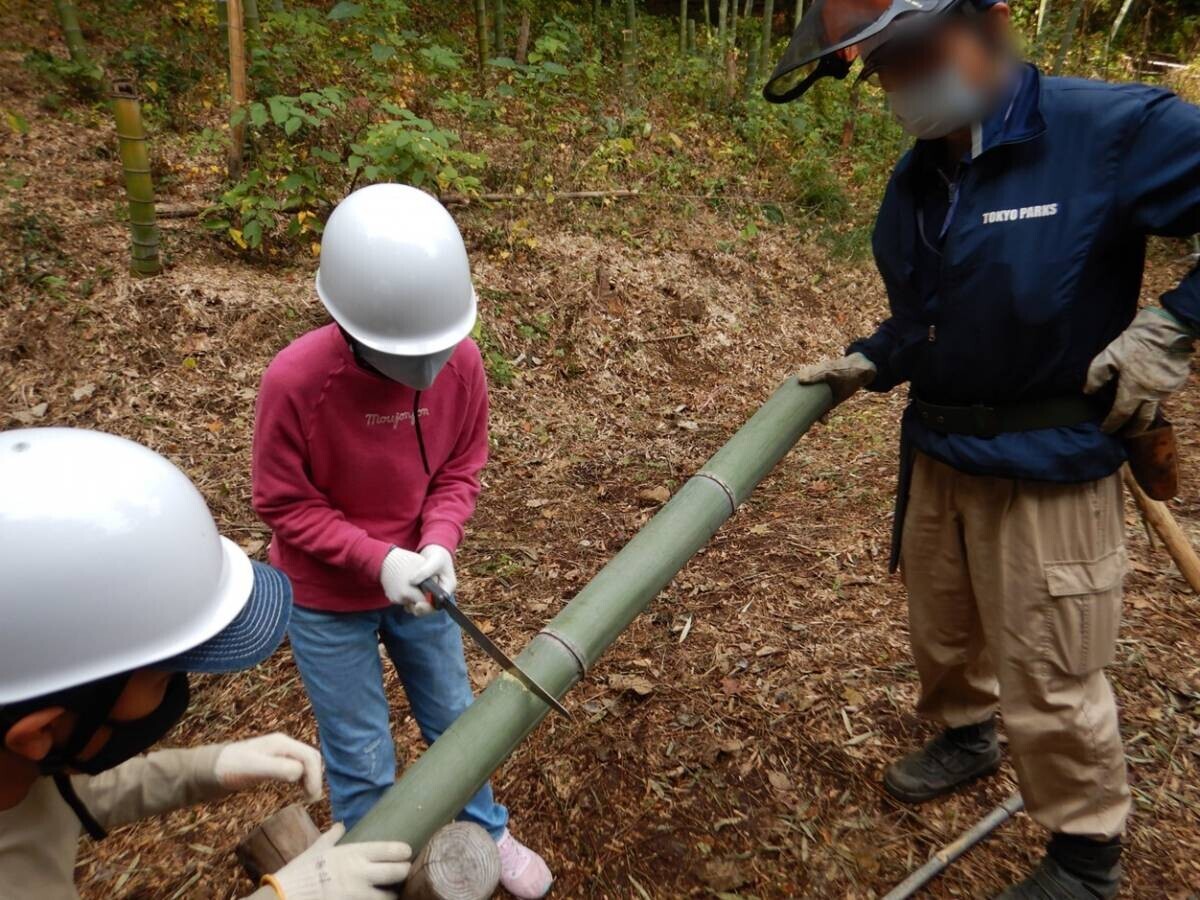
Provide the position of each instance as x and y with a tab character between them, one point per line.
420	436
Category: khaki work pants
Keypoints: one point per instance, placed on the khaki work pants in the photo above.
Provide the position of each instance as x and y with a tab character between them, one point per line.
1014	595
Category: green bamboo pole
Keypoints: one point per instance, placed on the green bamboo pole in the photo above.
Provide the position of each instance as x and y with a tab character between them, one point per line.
762	69
498	27
722	28
683	20
139	186
798	15
250	15
437	786
222	8
751	68
1068	37
631	19
691	36
68	16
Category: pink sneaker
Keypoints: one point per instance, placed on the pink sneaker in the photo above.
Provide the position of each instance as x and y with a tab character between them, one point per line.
523	873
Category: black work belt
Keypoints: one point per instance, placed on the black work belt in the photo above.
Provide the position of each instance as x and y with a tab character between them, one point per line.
978	420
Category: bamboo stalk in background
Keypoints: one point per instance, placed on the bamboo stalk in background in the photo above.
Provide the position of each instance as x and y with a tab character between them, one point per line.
683	20
139	187
751	68
1120	20
691	36
707	19
631	20
498	27
764	51
1041	18
1068	37
277	5
522	51
595	12
68	16
628	63
250	15
722	26
799	14
731	51
481	38
237	90
222	9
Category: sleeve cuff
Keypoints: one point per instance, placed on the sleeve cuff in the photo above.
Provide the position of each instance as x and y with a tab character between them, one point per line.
442	532
368	556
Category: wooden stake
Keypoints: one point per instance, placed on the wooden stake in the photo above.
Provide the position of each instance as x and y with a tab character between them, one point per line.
1160	519
237	89
460	862
276	842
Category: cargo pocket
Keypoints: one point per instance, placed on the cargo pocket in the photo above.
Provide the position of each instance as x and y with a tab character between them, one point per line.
1084	612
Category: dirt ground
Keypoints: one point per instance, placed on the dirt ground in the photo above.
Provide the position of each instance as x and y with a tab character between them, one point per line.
776	677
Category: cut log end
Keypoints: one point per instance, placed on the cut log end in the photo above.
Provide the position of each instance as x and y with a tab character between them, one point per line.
460	862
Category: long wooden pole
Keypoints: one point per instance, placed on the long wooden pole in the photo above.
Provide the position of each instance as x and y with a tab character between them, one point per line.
1165	526
237	89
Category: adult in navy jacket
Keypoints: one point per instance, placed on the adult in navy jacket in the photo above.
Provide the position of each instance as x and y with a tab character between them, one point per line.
1011	241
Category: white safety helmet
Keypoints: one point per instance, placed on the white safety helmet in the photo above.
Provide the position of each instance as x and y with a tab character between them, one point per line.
110	562
394	272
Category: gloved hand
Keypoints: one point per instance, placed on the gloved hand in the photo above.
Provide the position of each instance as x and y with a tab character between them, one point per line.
350	872
844	376
273	757
1150	360
399	569
439	563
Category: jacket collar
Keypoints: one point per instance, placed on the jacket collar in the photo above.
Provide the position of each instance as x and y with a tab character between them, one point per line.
1014	121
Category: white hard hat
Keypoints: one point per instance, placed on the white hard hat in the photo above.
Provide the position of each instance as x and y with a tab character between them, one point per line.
394	272
110	561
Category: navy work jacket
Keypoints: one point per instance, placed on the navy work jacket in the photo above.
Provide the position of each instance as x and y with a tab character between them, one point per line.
1041	255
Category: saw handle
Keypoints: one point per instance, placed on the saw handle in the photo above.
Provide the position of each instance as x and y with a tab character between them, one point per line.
437	594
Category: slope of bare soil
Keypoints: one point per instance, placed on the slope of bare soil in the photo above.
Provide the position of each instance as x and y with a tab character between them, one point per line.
731	742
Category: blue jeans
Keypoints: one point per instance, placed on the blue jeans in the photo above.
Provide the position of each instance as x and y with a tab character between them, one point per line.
338	658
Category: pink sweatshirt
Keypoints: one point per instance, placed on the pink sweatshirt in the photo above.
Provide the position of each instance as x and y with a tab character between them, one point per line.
348	464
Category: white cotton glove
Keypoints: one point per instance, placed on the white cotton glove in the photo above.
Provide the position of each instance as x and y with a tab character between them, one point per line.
273	757
1150	360
439	564
400	568
349	872
844	376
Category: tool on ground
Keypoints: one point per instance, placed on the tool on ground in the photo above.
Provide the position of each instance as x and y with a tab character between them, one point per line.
443	600
942	859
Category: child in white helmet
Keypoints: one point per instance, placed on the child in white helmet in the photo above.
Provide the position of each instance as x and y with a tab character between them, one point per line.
94	659
369	439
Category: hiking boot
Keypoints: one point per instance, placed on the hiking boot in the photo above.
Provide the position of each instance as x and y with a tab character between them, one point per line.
952	759
1074	868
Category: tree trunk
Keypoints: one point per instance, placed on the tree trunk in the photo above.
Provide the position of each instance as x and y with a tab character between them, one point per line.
498	27
1068	38
522	51
481	40
683	20
139	187
768	29
237	90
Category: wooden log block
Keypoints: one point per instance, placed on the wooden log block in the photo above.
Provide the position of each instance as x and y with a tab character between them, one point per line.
277	841
460	862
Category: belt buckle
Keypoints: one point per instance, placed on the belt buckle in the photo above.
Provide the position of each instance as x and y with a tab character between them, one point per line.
986	419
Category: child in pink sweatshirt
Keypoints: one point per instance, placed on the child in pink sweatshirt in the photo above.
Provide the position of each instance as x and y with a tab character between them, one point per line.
369	438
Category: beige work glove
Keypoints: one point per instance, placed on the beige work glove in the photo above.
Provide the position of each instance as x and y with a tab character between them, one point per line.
350	872
272	757
1150	360
844	376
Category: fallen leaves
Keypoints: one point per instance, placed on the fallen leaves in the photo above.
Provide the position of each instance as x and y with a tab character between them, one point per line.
635	684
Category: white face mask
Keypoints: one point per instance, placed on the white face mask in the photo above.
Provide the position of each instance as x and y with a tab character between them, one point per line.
938	104
416	372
